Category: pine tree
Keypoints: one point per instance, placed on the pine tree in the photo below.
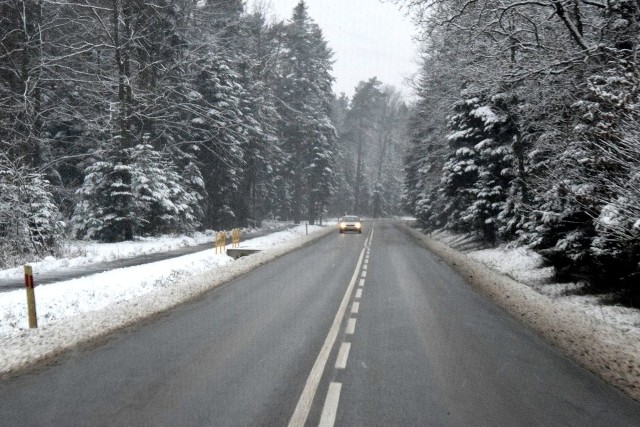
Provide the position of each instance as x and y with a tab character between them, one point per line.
156	200
425	156
163	199
476	174
305	96
262	151
587	226
361	122
373	139
30	223
220	129
391	144
343	202
105	210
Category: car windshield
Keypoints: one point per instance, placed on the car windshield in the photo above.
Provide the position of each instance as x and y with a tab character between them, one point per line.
350	219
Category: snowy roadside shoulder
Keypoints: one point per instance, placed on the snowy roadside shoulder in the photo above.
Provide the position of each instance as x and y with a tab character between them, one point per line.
82	311
605	340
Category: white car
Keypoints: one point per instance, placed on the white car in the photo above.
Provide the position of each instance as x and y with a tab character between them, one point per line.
350	223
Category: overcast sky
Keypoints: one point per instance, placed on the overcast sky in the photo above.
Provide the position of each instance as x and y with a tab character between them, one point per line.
369	38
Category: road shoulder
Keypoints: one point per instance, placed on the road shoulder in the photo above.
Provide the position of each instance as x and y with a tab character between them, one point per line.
605	351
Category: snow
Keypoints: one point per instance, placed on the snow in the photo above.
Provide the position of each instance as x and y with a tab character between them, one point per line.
603	338
520	263
80	253
75	312
485	114
458	135
609	215
464	151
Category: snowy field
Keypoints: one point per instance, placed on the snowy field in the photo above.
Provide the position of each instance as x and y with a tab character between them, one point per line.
76	311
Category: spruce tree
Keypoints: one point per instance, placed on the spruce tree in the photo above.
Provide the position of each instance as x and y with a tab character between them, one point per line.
305	96
476	174
30	222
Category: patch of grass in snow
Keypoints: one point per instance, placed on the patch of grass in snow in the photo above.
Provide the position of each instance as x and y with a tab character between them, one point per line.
461	242
73	249
174	277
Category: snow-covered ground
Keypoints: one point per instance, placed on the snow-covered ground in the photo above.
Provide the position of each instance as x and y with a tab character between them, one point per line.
603	338
76	311
79	253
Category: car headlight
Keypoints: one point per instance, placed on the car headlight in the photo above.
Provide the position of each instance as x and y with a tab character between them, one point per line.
358	225
343	225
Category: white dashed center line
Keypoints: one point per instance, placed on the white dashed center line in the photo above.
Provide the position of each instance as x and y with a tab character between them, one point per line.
343	355
300	413
351	326
330	409
355	307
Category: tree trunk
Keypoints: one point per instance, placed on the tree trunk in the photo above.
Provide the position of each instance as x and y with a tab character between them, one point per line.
359	172
123	136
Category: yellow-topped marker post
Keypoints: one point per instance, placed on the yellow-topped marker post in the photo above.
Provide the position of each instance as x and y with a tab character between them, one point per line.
31	296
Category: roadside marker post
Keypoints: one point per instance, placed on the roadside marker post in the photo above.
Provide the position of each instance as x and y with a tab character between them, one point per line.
31	296
235	237
221	241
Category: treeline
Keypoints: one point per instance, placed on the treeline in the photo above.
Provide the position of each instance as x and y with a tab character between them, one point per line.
373	142
527	128
122	118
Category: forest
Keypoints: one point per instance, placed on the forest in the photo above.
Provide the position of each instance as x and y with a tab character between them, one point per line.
127	118
526	130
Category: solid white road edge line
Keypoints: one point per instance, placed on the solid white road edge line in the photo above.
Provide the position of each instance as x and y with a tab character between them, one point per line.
330	410
303	407
343	355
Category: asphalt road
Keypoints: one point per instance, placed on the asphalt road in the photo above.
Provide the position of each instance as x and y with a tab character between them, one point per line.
346	331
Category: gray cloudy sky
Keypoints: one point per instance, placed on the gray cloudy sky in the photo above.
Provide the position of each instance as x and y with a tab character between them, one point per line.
369	38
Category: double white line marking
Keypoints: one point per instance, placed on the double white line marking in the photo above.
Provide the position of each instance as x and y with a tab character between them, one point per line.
303	407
